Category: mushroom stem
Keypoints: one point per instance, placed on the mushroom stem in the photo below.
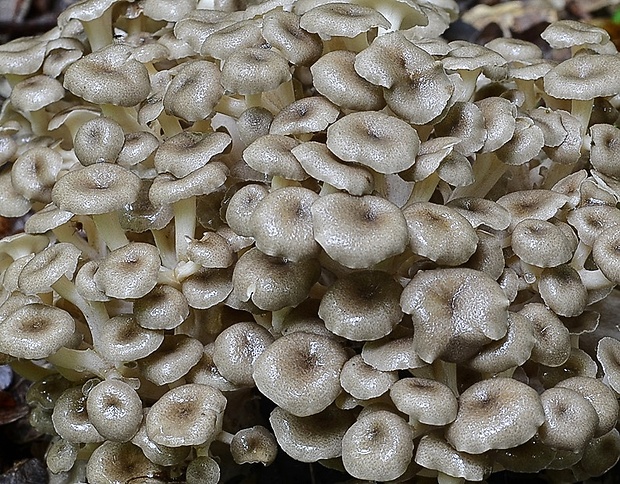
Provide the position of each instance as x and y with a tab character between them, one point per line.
184	269
231	106
446	479
99	31
169	125
556	172
593	280
30	370
225	437
184	224
445	373
424	189
122	116
277	319
166	249
488	169
110	230
582	110
582	252
66	233
84	361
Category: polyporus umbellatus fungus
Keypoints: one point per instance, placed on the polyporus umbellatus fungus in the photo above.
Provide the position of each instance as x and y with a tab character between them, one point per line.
314	227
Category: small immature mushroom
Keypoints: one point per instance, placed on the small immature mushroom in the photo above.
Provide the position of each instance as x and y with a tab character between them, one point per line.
36	331
300	372
138	147
498	413
115	409
129	272
254	123
358	232
382	142
570	419
173	359
236	349
364	382
189	414
206	373
439	233
435	453
203	470
212	251
98	140
61	455
312	438
254	445
362	306
119	462
207	287
379	446
281	224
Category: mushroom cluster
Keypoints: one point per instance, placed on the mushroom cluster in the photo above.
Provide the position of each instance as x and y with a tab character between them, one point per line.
313	227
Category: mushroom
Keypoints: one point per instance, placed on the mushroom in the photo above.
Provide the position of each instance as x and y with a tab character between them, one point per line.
300	372
119	462
378	446
189	414
364	382
254	445
498	413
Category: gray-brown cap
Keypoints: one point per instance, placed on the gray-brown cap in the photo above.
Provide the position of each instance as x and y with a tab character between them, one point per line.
358	232
34	173
552	339
425	400
300	372
254	445
605	253
364	382
311	114
120	462
125	341
271	154
362	306
109	76
281	29
498	413
253	70
455	312
341	19
540	243
177	354
98	140
382	142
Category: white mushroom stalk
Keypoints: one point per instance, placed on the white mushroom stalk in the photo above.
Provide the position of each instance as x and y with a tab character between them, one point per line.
311	228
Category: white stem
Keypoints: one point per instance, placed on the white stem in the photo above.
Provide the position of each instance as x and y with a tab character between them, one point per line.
82	361
184	224
488	169
110	230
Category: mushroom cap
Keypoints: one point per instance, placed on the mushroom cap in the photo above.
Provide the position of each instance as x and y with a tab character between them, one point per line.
455	313
300	372
465	121
570	419
379	446
498	413
252	70
176	355
188	151
362	306
341	19
138	146
109	76
96	189
599	456
540	243
382	142
34	173
481	211
358	232
435	453
427	401
391	354
70	418
318	162
273	283
241	206
98	140
606	252
35	93
608	354
207	287
164	307
47	267
552	339
129	272
253	445
585	76
364	382
312	438
592	220
236	349
579	363
194	91
22	56
535	204
334	77
203	470
563	291
602	398
311	114
232	37
189	414
124	340
212	251
156	453
439	233
36	331
281	224
605	149
119	462
282	31
569	33
253	123
271	154
115	409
